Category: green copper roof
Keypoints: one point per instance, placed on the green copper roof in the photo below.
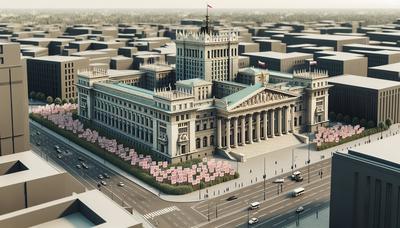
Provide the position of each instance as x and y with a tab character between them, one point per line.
235	98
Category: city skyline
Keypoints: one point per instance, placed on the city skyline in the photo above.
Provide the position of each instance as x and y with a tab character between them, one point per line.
220	4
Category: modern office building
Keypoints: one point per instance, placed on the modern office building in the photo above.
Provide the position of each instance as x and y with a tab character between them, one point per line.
365	187
207	56
335	41
276	61
365	97
339	63
388	72
55	75
14	131
190	122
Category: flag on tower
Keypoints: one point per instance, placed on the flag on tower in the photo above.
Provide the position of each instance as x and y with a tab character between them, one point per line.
209	6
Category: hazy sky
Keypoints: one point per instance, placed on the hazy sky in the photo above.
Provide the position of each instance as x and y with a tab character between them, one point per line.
200	3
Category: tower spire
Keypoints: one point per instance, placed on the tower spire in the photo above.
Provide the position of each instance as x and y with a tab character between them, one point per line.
206	28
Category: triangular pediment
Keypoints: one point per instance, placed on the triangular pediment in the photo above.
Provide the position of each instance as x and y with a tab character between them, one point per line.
262	97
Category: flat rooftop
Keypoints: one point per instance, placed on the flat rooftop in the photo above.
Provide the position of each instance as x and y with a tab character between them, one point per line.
363	82
330	37
395	67
23	167
386	149
279	55
59	58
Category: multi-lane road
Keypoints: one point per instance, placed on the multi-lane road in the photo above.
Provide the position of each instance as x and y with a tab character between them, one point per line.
278	208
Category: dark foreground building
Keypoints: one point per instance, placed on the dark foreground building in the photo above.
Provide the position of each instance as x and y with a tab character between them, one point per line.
365	189
365	97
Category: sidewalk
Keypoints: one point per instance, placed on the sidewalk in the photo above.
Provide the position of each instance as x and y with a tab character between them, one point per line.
251	172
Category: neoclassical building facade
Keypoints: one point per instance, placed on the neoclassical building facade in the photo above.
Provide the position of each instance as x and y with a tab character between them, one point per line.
190	121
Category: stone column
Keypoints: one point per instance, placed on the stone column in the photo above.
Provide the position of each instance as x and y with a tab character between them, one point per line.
235	132
258	126
228	133
250	129
285	111
272	123
292	119
219	136
243	131
280	110
265	125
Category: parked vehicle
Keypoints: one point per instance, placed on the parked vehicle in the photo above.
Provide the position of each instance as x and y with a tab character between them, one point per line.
295	174
279	181
231	198
121	184
299	209
84	165
103	183
79	166
106	175
100	177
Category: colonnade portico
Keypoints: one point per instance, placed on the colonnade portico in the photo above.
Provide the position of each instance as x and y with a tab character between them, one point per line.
240	129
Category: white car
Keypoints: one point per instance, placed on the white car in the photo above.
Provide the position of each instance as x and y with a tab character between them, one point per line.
280	180
253	221
120	184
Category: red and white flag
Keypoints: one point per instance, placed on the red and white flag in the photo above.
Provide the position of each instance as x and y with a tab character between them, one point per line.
209	6
313	63
261	64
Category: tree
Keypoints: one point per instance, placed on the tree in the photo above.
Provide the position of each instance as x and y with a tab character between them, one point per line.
388	122
363	122
57	101
381	125
32	94
355	121
64	101
339	117
49	100
72	100
370	124
347	119
76	100
332	116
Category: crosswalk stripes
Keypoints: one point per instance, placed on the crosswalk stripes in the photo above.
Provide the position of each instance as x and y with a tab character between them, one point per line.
161	212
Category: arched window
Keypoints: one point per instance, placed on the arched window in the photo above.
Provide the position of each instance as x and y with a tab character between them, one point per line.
205	141
197	143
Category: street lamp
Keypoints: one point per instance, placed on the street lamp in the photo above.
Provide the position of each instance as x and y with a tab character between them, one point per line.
208	212
216	210
248	217
265	177
308	161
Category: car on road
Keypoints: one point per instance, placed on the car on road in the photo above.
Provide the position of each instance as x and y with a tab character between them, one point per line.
59	156
37	132
103	183
59	151
37	143
253	221
295	174
120	184
279	181
299	209
67	151
78	166
84	165
106	175
230	198
101	177
254	205
56	147
80	159
298	178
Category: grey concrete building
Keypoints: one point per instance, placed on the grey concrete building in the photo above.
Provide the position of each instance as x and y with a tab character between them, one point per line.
339	63
208	57
388	72
365	97
55	75
365	187
379	57
14	131
284	62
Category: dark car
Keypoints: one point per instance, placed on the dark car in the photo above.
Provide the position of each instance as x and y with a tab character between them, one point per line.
106	175
80	159
232	198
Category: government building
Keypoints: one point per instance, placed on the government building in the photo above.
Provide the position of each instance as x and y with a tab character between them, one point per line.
200	117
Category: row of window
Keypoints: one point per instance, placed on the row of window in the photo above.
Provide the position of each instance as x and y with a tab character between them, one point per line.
205	142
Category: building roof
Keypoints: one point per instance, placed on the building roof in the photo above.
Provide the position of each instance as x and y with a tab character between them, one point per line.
193	82
363	82
395	67
329	37
279	55
59	58
234	98
386	149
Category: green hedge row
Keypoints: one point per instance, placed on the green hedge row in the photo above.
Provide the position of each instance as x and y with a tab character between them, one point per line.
365	133
133	170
